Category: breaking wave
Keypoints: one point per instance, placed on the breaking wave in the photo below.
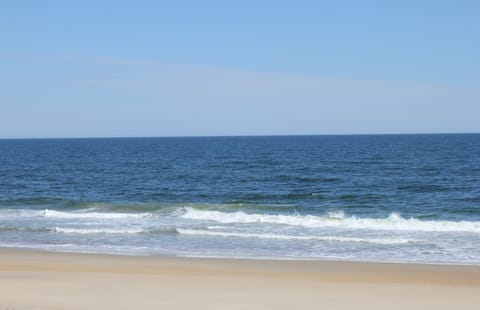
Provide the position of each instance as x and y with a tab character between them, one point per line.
97	231
393	222
95	215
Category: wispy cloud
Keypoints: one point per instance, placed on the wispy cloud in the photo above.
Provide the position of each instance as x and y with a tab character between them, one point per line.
207	100
274	92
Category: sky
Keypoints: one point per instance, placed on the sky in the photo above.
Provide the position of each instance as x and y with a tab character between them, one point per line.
208	68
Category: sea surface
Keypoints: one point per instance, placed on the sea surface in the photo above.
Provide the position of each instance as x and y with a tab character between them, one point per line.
400	198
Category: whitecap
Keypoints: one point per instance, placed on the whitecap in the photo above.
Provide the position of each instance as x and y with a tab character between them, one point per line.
97	215
394	222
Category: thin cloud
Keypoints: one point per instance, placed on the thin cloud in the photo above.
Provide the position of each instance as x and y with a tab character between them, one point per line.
156	98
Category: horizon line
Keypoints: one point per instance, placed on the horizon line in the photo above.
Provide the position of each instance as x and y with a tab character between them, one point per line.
239	136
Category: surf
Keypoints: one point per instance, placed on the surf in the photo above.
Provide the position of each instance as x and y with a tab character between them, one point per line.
394	222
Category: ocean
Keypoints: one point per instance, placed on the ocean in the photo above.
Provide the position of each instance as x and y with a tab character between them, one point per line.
392	198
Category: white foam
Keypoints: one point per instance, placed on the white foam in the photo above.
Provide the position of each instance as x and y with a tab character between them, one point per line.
217	227
339	215
96	215
97	231
289	237
394	222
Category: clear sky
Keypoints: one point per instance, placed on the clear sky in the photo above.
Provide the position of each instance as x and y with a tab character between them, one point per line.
175	68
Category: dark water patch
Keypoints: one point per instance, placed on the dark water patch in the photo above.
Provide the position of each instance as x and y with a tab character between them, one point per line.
349	197
318	180
471	199
331	180
39	202
427	216
423	188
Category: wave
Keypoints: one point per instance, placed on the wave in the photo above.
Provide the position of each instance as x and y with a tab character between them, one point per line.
98	231
393	222
289	237
106	230
79	230
96	215
31	207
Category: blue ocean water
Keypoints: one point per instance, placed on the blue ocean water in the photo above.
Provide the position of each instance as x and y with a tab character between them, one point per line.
408	198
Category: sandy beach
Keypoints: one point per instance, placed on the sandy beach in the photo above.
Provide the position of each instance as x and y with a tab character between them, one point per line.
45	280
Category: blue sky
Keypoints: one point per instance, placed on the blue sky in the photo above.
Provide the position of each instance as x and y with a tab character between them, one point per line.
154	68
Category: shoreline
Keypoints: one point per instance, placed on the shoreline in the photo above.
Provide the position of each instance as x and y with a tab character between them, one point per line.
35	279
245	258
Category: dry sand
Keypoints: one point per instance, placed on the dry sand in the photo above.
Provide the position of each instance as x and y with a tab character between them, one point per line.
43	280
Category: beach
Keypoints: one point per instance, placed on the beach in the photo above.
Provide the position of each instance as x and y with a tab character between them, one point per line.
241	223
47	280
240	155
